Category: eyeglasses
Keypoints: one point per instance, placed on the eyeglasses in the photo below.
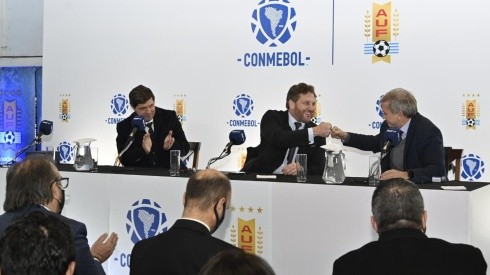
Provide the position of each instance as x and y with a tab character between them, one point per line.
62	182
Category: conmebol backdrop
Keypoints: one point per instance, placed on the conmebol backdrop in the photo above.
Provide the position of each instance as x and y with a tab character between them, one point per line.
221	64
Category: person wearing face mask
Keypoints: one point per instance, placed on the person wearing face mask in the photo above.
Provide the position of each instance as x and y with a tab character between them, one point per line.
188	245
35	184
284	134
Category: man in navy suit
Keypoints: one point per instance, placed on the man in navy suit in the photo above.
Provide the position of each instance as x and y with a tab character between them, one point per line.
420	154
400	220
188	244
163	133
283	134
35	185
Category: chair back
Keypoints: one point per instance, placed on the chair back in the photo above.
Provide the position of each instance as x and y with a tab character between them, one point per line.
194	148
451	155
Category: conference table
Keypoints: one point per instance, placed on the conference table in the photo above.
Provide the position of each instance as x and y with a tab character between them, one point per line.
299	228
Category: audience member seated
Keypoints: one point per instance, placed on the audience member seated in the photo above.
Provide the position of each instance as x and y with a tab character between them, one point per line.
400	220
37	244
236	262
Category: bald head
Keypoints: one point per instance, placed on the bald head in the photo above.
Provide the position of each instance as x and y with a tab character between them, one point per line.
205	188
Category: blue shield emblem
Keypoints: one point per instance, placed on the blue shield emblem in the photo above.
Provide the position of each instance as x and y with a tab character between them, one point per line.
144	220
243	105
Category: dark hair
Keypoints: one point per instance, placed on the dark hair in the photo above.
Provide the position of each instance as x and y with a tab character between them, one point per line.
206	187
401	100
139	95
36	244
296	90
397	203
236	262
29	183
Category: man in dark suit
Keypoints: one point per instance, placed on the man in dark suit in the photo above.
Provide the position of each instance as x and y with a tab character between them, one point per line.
37	244
419	156
163	133
35	185
283	134
188	244
403	248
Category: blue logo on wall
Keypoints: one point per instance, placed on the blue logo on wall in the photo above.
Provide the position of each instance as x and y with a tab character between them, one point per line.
145	219
66	152
379	111
243	105
119	107
273	22
473	167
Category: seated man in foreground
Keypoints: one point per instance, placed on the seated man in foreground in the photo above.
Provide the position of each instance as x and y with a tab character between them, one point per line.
403	248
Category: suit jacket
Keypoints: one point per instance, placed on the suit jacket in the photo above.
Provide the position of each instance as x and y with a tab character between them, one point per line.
409	251
163	122
85	263
423	153
183	249
276	137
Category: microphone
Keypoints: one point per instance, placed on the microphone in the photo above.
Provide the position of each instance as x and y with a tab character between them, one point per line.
138	124
237	137
392	139
45	128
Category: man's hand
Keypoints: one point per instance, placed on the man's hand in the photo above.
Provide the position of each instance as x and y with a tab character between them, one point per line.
323	129
102	248
146	144
169	141
338	133
290	169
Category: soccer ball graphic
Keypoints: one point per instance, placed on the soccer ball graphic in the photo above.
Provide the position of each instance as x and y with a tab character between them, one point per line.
470	122
381	48
9	137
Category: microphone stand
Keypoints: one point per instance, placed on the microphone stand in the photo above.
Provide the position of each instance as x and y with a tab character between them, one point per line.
223	154
36	141
128	144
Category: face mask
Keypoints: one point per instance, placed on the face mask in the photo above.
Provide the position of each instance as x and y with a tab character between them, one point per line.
61	203
219	220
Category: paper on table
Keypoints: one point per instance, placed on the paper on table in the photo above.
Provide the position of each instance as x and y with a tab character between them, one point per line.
266	176
460	187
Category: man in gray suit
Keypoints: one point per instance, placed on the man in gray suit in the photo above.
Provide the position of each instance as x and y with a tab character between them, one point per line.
188	244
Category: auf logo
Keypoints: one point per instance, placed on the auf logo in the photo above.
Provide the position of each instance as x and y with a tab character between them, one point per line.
66	152
145	219
243	105
473	167
119	105
273	22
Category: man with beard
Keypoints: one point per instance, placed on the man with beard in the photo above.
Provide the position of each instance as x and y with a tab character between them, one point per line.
188	245
35	184
283	134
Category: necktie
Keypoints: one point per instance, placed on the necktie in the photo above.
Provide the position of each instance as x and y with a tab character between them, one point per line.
293	149
150	129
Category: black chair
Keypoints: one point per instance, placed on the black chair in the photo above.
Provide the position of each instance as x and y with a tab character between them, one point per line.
252	155
451	155
194	148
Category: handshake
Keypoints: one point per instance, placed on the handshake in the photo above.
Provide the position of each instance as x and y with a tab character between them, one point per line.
325	129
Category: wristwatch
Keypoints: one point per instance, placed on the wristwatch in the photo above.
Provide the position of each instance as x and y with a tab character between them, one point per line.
410	174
